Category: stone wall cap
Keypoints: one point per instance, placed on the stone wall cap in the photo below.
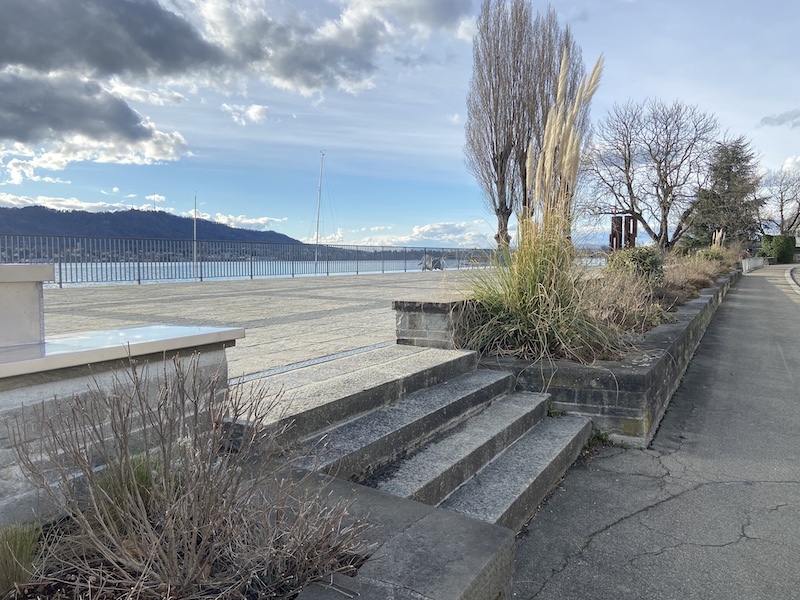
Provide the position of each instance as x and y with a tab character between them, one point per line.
428	306
16	273
76	349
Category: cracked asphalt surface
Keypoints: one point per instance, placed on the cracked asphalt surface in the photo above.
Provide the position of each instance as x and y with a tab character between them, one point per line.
711	509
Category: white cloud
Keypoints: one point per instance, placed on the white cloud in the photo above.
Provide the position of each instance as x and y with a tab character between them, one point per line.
455	119
56	156
255	113
243	222
474	234
155	198
793	162
159	97
13	200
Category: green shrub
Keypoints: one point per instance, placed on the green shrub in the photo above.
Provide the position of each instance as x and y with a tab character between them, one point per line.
646	261
779	246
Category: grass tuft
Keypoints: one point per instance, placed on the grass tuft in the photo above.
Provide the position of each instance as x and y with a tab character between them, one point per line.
18	545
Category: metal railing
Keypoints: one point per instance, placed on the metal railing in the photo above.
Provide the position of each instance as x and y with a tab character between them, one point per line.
100	260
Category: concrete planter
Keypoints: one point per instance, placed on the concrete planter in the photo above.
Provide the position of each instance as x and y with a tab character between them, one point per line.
626	398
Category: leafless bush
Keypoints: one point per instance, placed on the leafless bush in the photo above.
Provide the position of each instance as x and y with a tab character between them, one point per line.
623	299
172	490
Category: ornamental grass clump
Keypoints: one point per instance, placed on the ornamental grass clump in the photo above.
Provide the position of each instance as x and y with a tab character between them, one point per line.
531	304
18	545
171	489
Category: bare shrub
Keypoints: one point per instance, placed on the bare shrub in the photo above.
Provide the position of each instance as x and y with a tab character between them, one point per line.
172	490
624	299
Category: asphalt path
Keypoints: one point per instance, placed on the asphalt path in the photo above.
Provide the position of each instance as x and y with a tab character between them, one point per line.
712	509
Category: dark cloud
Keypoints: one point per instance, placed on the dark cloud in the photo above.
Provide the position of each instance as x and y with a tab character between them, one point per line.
434	14
103	37
312	62
39	109
791	118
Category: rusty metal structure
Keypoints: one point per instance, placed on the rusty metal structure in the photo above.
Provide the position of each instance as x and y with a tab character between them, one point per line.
624	229
615	239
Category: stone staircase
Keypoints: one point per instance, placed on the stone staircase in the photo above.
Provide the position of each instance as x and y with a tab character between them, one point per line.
428	425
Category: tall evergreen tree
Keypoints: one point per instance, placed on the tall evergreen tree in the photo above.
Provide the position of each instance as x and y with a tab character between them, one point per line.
730	201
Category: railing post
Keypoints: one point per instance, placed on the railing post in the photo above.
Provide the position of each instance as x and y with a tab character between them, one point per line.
200	259
139	262
60	273
250	254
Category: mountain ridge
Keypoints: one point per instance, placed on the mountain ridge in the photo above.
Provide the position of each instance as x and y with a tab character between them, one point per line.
131	223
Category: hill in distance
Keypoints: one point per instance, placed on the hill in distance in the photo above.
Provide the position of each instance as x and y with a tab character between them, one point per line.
39	220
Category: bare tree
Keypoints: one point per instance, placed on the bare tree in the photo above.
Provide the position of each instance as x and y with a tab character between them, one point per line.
489	128
782	209
649	160
516	61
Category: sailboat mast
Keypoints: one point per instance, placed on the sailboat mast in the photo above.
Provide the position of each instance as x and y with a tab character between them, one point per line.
319	203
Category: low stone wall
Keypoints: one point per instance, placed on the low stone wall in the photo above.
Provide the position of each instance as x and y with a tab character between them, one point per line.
626	398
35	380
751	264
427	324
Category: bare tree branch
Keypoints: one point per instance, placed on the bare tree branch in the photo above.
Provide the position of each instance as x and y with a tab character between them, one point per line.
649	160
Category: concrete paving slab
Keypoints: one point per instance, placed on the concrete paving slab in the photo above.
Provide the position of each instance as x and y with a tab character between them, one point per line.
710	509
287	320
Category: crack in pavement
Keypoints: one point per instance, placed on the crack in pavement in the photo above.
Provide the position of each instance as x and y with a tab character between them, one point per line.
667	478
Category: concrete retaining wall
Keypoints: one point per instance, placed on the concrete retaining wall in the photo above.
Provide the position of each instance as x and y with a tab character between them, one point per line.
22	395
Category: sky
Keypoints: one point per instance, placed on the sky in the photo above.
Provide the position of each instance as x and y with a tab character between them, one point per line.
158	104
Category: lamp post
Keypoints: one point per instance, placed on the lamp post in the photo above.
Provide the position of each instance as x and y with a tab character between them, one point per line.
194	241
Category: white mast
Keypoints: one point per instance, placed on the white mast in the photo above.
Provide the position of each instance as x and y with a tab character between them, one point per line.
319	202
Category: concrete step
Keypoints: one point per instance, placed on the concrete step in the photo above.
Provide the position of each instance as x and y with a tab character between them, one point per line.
320	395
359	447
431	474
510	488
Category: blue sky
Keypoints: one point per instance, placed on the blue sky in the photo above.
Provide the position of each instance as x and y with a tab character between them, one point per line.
111	104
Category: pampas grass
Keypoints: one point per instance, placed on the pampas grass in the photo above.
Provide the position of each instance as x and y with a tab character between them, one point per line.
531	304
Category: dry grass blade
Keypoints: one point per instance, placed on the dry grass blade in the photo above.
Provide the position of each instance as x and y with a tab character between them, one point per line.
18	544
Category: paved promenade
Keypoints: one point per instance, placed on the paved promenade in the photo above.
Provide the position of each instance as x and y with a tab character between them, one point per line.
286	320
712	510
